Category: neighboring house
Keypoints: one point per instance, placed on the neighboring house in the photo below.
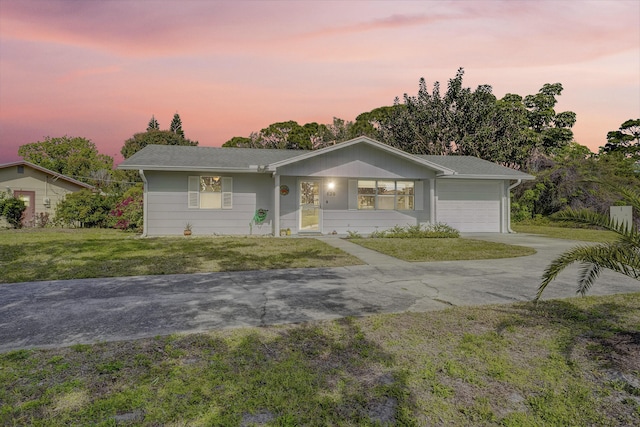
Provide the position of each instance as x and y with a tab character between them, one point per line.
359	185
41	189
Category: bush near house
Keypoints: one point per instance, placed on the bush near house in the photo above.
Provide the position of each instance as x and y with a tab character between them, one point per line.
12	208
84	209
127	214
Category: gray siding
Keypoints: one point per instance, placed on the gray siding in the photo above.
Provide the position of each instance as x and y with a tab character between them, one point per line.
358	161
168	211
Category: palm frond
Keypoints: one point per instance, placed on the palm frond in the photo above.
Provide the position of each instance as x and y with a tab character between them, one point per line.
622	256
631	196
616	256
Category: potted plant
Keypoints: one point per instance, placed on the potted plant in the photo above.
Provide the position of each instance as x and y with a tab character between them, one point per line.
187	229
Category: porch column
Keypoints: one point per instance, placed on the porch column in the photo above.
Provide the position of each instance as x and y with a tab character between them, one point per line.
432	201
276	204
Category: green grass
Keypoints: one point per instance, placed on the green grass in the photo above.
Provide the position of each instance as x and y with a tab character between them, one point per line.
555	363
442	249
46	254
569	233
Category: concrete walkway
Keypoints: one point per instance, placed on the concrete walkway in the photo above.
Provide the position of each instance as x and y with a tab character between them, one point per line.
60	313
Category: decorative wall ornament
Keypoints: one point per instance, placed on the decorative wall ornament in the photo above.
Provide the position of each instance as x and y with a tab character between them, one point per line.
284	190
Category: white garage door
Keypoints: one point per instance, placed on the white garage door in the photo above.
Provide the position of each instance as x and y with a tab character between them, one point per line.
471	206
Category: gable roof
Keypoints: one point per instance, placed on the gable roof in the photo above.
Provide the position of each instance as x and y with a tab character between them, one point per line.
56	175
368	141
227	159
474	167
173	157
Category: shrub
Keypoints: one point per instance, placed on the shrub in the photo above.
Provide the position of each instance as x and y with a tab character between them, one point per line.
84	208
12	209
437	230
127	214
42	220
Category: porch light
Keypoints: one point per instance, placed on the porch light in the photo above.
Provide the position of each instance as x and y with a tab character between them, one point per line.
331	185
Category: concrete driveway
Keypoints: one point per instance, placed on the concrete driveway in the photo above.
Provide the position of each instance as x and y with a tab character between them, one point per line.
61	313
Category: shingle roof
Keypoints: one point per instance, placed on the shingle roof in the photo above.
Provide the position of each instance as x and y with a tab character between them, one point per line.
47	171
192	158
171	157
468	165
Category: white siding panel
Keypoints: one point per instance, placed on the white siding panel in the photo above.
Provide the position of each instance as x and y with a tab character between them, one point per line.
469	206
419	196
353	194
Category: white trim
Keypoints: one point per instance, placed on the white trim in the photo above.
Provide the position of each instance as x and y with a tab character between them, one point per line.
145	203
193	192
227	192
276	205
432	201
496	177
320	201
418	195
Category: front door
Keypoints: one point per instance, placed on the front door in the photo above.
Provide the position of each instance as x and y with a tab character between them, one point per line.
310	206
29	214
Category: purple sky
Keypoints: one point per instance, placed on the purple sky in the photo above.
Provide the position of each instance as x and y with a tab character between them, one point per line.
100	69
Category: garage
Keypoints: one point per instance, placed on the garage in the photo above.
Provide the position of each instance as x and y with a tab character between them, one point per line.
469	205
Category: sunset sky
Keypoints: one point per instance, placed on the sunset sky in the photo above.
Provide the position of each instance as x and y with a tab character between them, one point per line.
100	69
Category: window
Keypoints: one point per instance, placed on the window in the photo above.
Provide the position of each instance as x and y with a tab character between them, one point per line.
210	192
386	195
20	168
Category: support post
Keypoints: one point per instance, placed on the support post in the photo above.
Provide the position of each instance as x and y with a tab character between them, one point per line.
432	201
276	204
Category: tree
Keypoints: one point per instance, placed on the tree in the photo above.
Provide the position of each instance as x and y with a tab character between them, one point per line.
625	140
153	124
240	142
573	178
12	208
514	131
622	255
176	125
291	135
159	137
554	130
72	156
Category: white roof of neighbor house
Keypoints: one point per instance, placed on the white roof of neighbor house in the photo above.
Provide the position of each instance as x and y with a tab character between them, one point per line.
47	171
186	158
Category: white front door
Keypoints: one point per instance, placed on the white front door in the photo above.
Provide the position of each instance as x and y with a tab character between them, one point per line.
310	211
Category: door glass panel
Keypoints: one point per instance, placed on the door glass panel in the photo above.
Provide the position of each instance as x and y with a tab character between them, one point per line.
309	205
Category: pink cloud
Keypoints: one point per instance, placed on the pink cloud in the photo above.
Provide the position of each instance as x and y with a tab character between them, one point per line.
100	69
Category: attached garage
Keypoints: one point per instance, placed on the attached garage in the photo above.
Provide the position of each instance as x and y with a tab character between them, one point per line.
470	205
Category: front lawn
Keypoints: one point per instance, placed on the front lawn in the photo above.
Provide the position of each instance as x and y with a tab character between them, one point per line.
421	249
52	254
568	233
569	362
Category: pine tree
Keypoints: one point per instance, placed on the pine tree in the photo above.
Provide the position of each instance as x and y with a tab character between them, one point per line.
176	125
153	124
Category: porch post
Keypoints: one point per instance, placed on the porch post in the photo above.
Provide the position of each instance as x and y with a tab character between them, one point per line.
432	201
276	205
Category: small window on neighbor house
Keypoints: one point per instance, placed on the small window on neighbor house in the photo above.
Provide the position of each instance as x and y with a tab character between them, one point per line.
20	168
